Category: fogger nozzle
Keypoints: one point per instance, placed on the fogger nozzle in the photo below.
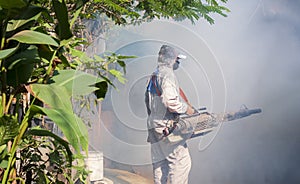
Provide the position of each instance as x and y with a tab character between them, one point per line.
243	113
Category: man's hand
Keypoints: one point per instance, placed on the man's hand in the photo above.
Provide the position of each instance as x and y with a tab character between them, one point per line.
190	110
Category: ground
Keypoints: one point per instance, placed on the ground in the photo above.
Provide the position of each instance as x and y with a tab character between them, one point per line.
115	176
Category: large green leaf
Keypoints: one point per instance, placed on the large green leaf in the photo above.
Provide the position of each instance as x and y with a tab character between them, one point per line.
7	52
76	82
53	95
9	128
19	75
10	4
63	30
28	56
72	127
30	14
20	66
33	37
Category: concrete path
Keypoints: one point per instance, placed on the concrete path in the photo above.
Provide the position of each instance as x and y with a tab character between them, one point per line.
115	176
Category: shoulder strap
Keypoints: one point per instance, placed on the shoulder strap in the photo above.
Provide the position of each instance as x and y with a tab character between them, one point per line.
153	78
183	96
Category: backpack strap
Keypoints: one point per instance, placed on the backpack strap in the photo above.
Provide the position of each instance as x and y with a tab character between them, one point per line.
154	82
183	96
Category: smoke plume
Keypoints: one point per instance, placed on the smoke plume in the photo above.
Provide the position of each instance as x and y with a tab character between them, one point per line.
250	57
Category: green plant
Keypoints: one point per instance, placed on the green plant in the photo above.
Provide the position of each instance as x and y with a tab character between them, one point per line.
39	59
44	158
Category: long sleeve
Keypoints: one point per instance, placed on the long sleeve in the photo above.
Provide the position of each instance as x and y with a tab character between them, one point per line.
170	95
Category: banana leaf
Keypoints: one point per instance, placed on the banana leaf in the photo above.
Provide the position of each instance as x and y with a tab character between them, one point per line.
72	127
76	82
33	37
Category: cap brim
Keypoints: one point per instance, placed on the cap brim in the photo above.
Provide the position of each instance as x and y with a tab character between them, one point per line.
181	56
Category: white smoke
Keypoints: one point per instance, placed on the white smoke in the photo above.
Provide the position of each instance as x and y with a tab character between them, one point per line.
258	48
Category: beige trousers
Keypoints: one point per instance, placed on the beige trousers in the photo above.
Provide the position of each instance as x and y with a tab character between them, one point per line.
175	167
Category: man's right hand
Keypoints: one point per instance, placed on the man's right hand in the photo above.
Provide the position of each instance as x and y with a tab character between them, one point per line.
190	110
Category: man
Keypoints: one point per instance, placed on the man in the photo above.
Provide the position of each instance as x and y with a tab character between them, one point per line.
170	160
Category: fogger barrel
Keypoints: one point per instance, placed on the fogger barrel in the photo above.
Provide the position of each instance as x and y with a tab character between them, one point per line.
242	113
202	123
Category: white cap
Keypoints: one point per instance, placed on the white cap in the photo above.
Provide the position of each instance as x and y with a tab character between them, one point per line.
181	56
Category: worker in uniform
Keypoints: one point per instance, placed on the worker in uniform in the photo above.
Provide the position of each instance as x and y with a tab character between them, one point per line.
171	161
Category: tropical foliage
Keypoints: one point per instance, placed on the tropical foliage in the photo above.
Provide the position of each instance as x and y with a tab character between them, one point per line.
126	11
41	54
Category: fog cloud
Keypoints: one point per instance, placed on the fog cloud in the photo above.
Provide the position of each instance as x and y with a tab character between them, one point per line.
250	57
